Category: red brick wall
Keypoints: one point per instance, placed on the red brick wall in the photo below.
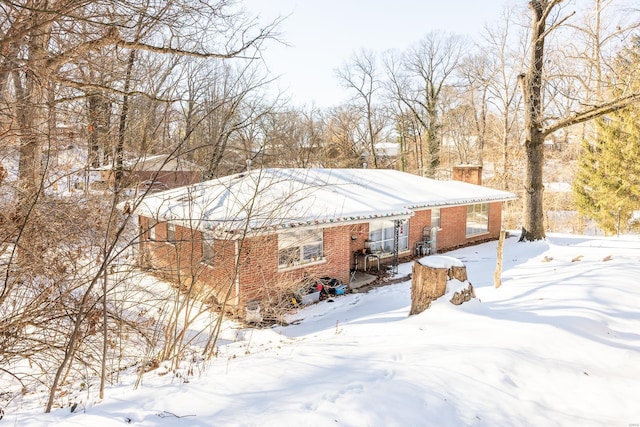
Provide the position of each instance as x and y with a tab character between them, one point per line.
337	244
259	276
180	262
468	173
453	224
417	223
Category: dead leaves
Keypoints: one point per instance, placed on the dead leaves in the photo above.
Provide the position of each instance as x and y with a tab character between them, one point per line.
548	258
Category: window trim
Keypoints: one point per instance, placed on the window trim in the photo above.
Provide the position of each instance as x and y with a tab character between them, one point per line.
478	209
302	242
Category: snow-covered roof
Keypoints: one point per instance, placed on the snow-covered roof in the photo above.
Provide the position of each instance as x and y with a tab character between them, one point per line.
276	199
387	148
159	162
162	162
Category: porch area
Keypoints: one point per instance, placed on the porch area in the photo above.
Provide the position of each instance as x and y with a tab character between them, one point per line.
360	279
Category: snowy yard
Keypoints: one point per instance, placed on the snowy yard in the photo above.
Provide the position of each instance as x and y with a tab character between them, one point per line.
557	345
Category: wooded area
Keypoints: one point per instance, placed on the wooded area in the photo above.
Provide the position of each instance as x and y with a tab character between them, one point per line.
89	86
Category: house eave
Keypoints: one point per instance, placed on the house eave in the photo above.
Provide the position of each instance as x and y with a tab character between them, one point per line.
244	231
463	202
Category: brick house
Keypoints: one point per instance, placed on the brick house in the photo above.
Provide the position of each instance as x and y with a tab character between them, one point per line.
161	171
248	235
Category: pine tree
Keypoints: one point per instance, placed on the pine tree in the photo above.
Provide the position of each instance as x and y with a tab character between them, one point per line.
607	185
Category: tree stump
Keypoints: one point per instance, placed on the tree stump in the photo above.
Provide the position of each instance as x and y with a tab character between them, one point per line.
429	282
463	295
457	272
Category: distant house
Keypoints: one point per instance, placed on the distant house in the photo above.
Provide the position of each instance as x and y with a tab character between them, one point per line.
158	172
387	152
245	235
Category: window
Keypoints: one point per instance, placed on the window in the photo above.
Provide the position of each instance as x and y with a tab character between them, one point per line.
207	248
152	228
299	247
381	236
435	217
171	233
477	219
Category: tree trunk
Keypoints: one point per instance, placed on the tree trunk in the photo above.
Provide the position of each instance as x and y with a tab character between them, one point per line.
122	125
433	143
105	334
505	153
497	282
533	220
99	108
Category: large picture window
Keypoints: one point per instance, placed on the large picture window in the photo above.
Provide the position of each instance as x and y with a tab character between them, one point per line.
381	236
299	247
477	219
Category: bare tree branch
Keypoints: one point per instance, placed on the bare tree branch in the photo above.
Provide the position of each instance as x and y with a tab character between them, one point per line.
592	113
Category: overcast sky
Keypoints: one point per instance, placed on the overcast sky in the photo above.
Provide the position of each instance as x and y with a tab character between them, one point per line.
323	34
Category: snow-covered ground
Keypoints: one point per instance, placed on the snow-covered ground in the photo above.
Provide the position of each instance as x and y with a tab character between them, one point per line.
557	345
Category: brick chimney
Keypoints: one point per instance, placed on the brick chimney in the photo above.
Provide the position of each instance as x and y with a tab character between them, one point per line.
468	173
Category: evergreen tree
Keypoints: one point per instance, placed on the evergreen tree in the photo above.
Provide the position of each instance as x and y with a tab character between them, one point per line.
607	185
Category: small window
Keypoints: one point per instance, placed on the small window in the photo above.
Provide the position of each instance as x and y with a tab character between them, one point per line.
299	247
435	217
207	248
152	228
477	219
171	233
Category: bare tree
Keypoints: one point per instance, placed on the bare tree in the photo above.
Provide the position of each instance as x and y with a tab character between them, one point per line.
477	72
54	56
537	125
42	40
293	138
344	147
360	75
461	141
506	48
416	81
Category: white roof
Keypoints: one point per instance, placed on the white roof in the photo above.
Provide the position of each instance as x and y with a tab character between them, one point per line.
159	162
276	199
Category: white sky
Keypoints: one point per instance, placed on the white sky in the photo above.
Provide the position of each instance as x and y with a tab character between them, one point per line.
324	34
